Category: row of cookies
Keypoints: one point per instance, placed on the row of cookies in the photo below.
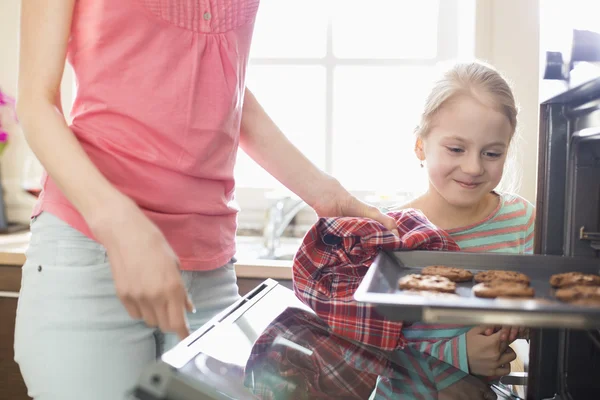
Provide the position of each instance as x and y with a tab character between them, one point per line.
572	287
577	288
490	284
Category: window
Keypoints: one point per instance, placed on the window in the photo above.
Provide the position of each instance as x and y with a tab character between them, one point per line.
344	80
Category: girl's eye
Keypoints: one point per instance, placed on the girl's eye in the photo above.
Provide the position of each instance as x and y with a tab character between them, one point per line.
455	149
492	155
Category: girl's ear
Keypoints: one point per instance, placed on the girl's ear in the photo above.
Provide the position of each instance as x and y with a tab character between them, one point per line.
420	153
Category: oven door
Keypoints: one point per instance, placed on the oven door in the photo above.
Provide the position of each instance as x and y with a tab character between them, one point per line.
565	363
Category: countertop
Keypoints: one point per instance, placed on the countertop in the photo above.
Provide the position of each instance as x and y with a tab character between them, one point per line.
13	246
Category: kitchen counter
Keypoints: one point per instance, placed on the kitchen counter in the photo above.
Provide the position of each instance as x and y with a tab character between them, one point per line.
13	246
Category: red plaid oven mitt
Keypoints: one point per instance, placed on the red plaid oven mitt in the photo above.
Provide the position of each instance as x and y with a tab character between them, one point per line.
333	259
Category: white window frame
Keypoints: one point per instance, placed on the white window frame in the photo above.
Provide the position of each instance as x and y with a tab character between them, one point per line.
455	40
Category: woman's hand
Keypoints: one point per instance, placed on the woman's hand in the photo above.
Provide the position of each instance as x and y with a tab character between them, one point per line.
145	270
488	355
337	202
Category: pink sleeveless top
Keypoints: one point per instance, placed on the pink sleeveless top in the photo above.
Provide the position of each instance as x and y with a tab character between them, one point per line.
160	85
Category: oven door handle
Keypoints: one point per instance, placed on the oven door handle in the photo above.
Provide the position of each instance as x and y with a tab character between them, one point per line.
525	318
515	378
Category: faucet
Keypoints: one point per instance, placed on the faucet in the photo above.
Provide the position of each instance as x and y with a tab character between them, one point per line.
279	216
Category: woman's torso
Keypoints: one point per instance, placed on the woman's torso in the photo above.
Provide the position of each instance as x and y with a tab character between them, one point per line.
160	88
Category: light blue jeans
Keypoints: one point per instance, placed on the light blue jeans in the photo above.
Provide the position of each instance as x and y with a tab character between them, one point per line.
73	337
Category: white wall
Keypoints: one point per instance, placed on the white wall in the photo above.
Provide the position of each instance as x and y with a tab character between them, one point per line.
507	36
18	203
12	158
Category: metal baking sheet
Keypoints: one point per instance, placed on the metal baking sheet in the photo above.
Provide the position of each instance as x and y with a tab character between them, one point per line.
380	287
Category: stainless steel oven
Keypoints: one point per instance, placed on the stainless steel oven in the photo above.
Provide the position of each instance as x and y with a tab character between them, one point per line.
565	363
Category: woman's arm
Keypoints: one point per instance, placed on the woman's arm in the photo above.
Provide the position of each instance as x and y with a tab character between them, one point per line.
45	30
262	140
114	219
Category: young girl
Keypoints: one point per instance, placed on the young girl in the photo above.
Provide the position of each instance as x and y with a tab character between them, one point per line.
466	129
468	123
463	139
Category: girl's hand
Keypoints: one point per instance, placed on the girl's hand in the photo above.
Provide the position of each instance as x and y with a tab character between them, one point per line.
509	333
488	355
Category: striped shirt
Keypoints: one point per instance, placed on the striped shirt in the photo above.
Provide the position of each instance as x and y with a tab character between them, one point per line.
508	229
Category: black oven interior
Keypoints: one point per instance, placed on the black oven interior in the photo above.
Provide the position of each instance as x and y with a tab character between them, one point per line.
565	364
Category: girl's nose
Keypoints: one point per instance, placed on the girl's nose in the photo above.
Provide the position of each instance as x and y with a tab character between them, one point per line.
472	165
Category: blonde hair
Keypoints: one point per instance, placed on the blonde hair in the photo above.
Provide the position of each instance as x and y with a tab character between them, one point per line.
484	83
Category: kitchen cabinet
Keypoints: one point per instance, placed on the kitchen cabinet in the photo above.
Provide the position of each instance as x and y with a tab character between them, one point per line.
11	383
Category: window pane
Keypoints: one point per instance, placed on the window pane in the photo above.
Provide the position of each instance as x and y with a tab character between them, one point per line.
385	29
294	97
290	28
375	112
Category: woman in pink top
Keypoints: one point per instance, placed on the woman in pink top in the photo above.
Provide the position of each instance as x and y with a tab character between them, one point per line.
140	185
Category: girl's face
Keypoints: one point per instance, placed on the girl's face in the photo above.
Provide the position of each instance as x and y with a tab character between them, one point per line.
465	151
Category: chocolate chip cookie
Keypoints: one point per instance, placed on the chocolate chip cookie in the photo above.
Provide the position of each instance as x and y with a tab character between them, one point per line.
580	295
574	279
452	273
427	282
430	293
505	276
494	289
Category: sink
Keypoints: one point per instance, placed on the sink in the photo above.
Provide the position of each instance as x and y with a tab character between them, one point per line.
252	248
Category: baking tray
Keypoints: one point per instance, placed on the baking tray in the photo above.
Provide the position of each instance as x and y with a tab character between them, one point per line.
380	288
